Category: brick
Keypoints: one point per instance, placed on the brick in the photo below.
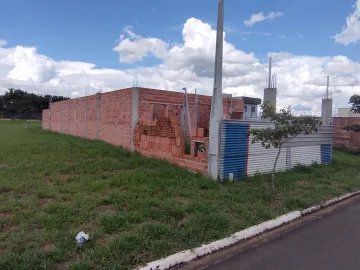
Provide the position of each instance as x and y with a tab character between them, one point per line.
180	141
200	132
194	132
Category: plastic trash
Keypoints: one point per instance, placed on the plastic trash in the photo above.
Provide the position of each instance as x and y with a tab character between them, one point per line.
81	238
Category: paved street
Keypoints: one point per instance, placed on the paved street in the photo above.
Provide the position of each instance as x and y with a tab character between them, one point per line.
331	242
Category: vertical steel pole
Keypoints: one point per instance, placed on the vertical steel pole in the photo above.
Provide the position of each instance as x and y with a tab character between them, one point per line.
216	115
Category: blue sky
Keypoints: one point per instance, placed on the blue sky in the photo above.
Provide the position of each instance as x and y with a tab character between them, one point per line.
55	47
87	30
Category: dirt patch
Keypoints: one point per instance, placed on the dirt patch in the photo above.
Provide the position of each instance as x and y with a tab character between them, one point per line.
64	176
183	200
303	183
69	162
3	165
184	220
12	227
47	201
6	214
35	227
47	180
109	209
49	247
2	251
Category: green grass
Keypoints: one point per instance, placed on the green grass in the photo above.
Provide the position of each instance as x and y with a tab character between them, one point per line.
135	209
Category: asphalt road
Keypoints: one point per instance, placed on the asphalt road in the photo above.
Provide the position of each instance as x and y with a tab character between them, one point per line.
331	242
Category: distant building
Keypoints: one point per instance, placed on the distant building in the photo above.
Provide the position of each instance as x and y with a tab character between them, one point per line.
345	112
251	107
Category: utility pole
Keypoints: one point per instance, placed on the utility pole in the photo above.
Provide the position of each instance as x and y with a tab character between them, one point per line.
216	114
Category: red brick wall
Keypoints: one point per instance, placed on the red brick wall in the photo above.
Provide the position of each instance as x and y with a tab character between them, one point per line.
115	117
115	123
45	119
343	138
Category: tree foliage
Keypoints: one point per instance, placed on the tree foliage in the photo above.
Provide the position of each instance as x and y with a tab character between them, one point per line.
16	103
355	103
355	128
286	127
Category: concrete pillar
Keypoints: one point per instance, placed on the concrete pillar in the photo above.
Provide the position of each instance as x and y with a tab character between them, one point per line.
98	96
270	96
216	114
134	114
326	112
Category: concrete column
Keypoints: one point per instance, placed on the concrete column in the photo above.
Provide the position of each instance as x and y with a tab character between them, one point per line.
98	96
134	114
85	118
270	96
216	115
326	112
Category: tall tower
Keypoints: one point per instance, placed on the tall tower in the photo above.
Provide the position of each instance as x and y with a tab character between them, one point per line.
326	107
270	91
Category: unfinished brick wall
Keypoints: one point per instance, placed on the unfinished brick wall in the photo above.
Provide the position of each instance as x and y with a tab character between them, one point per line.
45	119
158	132
343	138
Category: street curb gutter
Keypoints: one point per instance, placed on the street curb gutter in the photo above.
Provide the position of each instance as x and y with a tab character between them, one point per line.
192	254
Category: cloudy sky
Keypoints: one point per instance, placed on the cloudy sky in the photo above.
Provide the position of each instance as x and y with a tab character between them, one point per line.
55	47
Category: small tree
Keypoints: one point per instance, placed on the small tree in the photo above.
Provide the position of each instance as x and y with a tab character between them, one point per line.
355	103
286	128
355	107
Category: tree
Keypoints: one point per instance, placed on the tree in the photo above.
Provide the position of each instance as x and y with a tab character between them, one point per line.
286	128
355	107
16	103
355	103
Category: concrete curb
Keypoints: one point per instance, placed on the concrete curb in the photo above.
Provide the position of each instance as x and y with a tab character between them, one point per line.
189	255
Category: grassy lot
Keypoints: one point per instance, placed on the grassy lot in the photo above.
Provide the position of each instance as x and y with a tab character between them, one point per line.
135	209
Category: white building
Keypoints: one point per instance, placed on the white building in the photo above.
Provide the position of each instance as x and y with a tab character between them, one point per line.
345	112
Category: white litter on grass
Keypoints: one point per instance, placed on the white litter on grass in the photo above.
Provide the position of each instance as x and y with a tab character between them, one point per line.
81	238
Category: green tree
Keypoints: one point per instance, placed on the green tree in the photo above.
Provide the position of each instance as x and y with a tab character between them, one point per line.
355	103
21	104
286	127
355	107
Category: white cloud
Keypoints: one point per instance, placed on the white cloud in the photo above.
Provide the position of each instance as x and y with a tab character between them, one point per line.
301	79
259	17
351	32
134	48
3	42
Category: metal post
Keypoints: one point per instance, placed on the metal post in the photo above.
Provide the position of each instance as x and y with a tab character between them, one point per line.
187	111
216	115
270	80
98	96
